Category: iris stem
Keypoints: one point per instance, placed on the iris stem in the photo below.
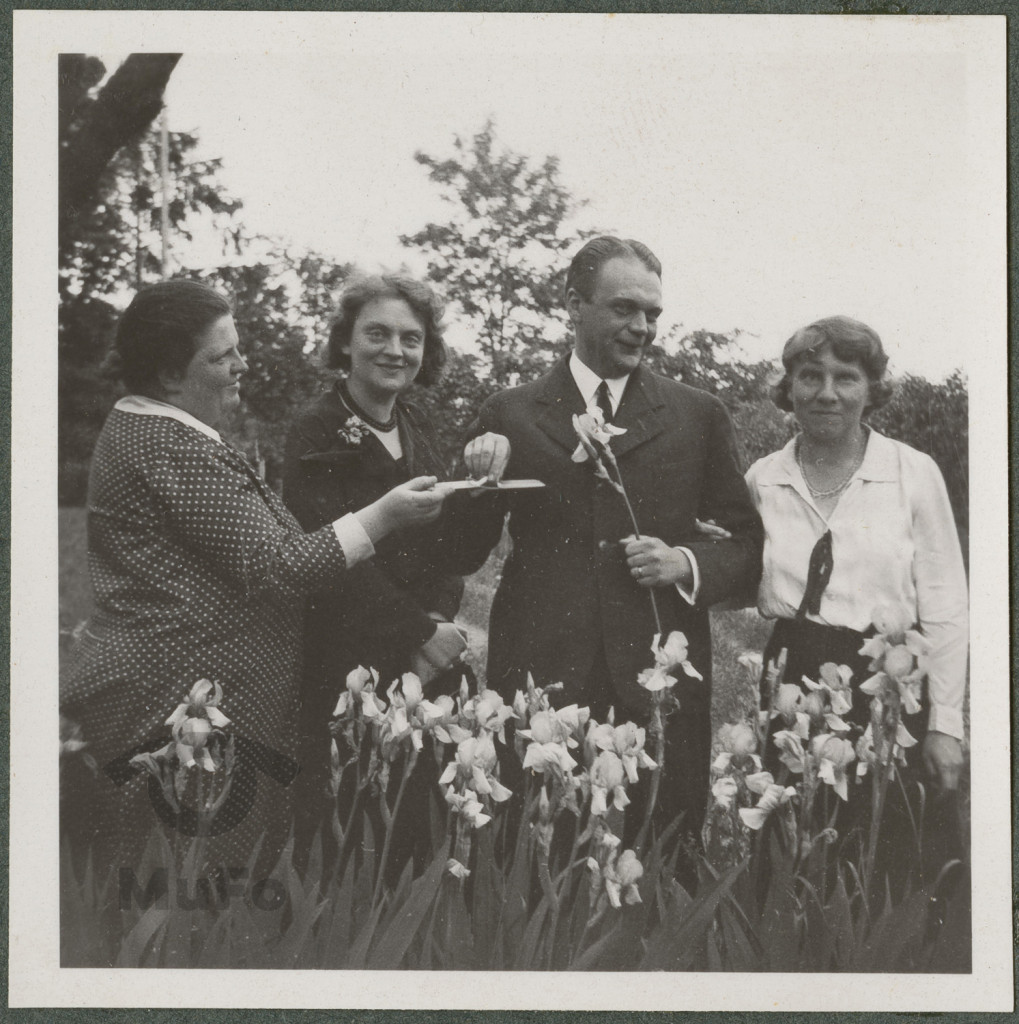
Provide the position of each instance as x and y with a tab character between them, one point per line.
658	735
878	805
408	768
621	487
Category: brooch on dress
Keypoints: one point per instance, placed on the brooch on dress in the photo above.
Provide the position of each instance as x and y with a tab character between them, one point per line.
353	432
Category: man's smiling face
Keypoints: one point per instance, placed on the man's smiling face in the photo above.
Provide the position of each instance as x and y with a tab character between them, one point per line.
620	319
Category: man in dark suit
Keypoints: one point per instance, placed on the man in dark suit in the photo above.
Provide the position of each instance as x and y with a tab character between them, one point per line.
573	605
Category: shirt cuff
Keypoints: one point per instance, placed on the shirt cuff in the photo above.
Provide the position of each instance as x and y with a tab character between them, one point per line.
947	720
691	595
356	544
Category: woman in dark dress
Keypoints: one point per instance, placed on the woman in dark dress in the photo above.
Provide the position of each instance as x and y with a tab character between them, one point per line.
199	572
393	613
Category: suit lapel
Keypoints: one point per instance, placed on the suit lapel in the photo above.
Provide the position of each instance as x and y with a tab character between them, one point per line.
558	403
640	413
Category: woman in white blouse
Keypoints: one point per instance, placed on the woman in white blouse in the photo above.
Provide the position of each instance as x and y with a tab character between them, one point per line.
855	522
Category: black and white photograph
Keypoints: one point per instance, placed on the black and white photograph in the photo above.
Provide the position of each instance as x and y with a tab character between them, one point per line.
506	493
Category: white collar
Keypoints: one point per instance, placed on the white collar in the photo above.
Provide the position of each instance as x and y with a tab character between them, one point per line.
587	382
880	462
143	406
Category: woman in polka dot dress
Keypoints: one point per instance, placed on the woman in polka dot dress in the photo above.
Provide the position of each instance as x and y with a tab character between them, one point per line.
354	442
199	571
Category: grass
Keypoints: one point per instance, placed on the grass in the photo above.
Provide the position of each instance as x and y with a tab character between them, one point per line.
733	632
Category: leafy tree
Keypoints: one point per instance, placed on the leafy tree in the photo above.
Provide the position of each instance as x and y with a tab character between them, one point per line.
501	257
934	418
714	362
107	251
93	125
282	308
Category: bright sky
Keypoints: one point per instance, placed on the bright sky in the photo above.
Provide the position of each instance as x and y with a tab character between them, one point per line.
782	168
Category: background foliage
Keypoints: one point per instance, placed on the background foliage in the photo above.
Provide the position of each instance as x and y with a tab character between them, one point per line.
499	260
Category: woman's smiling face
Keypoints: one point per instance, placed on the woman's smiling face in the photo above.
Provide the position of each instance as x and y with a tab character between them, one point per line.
829	395
387	344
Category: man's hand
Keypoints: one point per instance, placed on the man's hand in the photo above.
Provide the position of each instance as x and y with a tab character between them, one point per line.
942	757
653	563
710	529
486	457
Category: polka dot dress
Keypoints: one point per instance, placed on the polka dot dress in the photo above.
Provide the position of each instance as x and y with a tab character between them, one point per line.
199	572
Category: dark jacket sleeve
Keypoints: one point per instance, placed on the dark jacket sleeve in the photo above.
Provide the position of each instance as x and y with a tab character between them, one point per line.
728	568
370	604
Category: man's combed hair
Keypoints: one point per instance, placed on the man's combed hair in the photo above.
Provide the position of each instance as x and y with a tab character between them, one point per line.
159	331
424	303
593	255
853	342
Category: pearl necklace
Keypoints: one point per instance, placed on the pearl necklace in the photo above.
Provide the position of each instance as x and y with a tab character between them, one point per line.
839	488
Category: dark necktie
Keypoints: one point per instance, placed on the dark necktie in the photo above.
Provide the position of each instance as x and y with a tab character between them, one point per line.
601	396
818	575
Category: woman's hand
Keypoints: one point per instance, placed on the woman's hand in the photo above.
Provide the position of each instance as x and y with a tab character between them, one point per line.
942	756
410	504
486	457
443	650
654	564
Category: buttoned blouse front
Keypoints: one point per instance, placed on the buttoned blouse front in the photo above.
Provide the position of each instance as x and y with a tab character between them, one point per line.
894	543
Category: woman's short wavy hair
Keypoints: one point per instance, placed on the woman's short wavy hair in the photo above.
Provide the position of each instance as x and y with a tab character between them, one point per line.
158	332
852	342
425	304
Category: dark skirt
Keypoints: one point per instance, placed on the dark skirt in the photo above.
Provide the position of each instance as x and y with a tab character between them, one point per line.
920	828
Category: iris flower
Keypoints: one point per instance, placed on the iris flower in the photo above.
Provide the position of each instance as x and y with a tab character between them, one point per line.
357	679
835	756
615	883
445	726
673	654
791	752
475	764
542	756
592	430
627	742
409	716
467	806
669	658
736	741
772	797
607	775
195	723
202	702
834	683
545	727
485	711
